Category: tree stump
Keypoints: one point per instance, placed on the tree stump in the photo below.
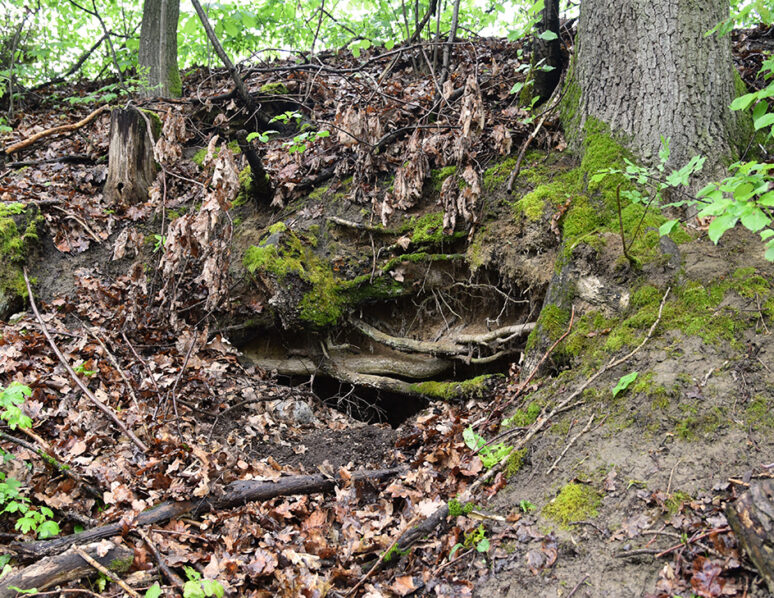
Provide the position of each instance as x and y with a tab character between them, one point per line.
752	519
131	167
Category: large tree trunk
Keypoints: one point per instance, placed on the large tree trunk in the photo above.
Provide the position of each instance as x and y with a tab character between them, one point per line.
158	48
646	69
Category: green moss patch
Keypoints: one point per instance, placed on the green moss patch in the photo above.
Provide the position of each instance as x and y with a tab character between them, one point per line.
575	502
14	247
274	89
438	176
285	254
474	387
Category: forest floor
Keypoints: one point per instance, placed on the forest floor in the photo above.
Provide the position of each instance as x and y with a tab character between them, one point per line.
611	494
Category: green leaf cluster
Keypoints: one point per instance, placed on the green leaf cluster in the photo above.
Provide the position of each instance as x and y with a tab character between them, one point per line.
489	455
28	518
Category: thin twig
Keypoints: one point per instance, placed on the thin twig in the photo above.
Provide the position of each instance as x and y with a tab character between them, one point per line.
106	572
569	444
121	373
717	530
577	586
380	561
99	404
173	577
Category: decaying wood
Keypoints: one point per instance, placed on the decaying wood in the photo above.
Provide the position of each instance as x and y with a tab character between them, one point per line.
97	403
66	567
104	570
237	493
131	164
752	519
55	131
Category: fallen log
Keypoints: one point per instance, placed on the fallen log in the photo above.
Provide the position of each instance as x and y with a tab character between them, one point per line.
237	493
66	567
752	519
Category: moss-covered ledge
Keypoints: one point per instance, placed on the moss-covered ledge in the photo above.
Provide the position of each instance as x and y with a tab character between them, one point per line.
19	229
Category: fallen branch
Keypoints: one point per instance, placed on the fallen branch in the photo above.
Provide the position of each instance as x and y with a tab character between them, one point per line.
66	567
55	131
235	494
173	577
104	570
74	159
244	95
99	404
361	226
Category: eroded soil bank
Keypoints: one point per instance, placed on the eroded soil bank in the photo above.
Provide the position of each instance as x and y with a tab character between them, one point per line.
396	312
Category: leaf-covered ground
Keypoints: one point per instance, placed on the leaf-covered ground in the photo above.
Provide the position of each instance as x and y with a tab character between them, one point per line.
131	300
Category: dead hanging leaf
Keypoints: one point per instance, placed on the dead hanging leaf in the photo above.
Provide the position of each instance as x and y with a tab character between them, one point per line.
503	141
204	236
168	148
410	178
472	119
352	123
404	242
128	239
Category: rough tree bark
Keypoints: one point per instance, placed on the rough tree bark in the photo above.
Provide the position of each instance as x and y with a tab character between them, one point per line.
158	48
131	167
646	69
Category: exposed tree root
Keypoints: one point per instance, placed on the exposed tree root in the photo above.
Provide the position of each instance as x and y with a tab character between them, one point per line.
456	347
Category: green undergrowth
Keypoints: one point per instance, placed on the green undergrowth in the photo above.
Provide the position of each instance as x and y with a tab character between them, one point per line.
15	245
474	387
575	502
593	209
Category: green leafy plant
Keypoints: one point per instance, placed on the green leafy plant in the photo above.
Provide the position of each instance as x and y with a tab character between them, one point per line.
490	455
160	241
154	591
11	400
624	382
196	587
526	506
81	369
29	519
649	187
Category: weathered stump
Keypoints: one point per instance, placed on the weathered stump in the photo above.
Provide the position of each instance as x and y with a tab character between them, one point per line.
131	167
752	519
